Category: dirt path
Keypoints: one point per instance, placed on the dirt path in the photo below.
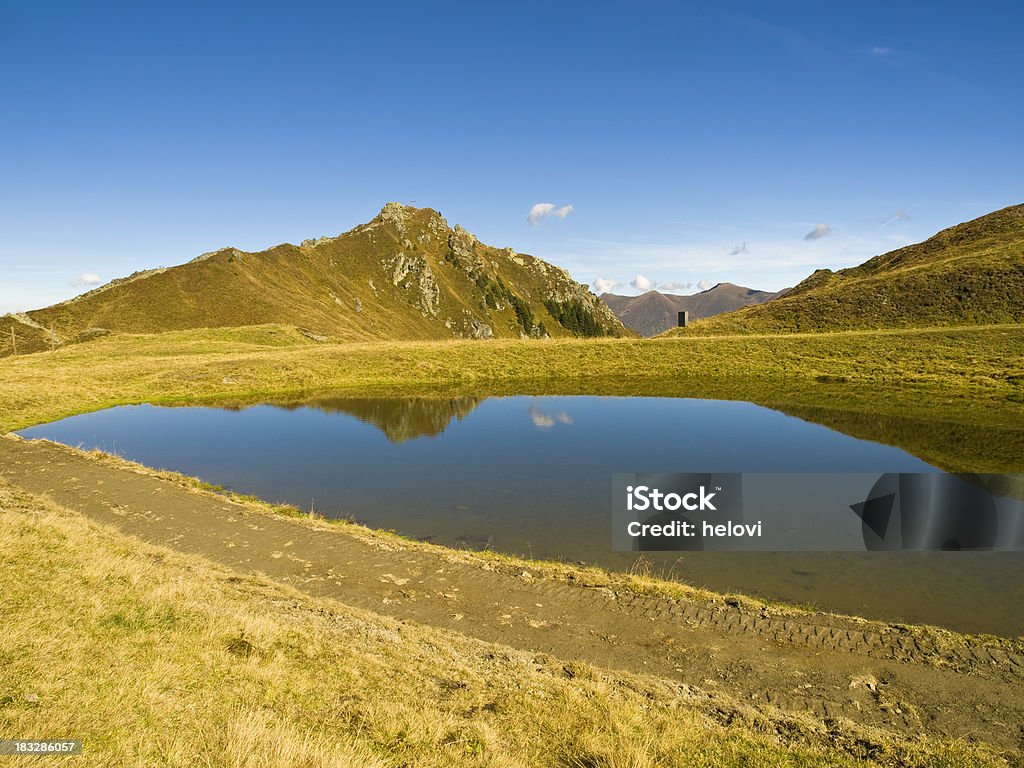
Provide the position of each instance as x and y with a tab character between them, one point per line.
903	680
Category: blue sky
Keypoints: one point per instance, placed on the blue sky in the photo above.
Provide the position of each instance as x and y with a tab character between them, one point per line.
695	143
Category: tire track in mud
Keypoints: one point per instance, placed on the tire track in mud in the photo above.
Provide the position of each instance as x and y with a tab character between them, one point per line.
903	643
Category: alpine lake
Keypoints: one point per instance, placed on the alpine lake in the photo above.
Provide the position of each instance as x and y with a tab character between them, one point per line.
532	476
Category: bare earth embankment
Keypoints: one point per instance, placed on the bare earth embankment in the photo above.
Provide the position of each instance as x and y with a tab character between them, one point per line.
795	681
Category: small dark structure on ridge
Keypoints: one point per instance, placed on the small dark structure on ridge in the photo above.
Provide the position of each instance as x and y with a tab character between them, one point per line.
684	318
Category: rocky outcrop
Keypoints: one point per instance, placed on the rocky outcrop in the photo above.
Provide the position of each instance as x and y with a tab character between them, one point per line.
462	247
412	274
395	214
480	330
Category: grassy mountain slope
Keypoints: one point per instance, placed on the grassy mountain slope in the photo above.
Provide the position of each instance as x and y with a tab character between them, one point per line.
969	274
404	275
653	312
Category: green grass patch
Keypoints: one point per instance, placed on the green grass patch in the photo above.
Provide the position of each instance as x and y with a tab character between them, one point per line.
953	396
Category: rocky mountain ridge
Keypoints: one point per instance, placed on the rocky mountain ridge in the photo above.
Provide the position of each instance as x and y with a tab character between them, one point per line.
405	274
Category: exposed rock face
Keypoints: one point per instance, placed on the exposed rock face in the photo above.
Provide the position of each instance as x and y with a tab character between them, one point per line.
317	241
480	330
403	265
437	223
412	273
394	214
24	319
430	294
313	336
565	292
463	252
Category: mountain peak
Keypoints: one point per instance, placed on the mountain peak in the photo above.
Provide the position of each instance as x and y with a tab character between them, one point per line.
406	274
654	312
395	206
404	217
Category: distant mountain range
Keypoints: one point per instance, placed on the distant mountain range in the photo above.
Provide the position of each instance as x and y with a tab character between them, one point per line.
969	274
406	274
653	312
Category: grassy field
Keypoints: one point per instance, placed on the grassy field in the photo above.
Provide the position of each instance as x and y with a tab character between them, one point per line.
169	660
952	396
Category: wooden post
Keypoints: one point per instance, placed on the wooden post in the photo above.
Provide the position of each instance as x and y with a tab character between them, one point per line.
14	341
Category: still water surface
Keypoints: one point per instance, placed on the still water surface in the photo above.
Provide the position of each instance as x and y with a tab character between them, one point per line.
532	476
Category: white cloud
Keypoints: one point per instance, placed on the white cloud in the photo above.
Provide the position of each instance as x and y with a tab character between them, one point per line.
542	420
605	285
819	231
539	211
704	285
879	50
642	283
544	210
675	286
85	279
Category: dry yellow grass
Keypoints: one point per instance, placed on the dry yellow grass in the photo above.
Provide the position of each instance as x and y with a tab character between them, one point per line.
160	659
